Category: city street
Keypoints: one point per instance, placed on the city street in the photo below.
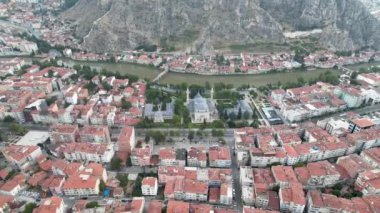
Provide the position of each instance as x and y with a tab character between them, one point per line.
236	177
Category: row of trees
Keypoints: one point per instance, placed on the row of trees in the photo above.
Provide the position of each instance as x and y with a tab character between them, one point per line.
327	76
89	73
157	96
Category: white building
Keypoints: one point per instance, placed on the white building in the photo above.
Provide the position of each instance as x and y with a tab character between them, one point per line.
21	156
10	187
334	126
226	195
100	153
372	79
247	195
201	109
246	176
292	199
149	186
81	185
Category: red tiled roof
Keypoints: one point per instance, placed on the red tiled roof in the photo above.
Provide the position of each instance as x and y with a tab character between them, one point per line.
155	206
80	182
36	178
49	205
363	122
150	181
18	152
178	207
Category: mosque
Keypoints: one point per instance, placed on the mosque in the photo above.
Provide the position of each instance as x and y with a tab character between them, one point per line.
202	109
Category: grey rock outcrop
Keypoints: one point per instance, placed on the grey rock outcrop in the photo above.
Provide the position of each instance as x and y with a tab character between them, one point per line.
199	25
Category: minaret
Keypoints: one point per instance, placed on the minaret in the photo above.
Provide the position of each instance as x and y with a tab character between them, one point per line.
187	96
212	93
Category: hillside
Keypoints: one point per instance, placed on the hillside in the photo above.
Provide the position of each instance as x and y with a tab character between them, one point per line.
199	25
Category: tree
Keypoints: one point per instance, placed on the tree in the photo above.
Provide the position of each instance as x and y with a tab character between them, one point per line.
10	175
222	141
29	208
3	136
217	133
219	60
18	129
102	186
147	138
336	192
91	87
253	94
125	104
8	119
225	115
190	136
255	123
50	73
92	204
246	115
164	210
137	189
232	116
299	164
51	100
157	136
112	59
239	114
301	80
123	178
199	133
217	124
106	85
129	162
115	163
74	77
77	67
338	186
354	75
357	194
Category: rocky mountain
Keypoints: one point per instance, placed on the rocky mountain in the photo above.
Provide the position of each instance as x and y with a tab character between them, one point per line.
117	25
373	6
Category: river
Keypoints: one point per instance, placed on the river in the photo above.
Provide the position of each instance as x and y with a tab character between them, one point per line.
177	78
150	73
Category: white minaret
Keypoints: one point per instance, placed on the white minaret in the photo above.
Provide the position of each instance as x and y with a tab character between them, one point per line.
212	93
187	96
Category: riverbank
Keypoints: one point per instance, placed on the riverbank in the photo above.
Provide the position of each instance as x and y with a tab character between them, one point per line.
148	72
142	71
238	80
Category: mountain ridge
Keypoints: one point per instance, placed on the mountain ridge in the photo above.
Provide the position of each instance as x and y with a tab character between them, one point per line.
118	25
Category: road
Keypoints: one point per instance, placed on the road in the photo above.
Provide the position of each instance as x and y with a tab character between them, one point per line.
235	171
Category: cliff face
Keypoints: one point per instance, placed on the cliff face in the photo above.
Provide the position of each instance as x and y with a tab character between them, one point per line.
372	5
346	24
117	25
